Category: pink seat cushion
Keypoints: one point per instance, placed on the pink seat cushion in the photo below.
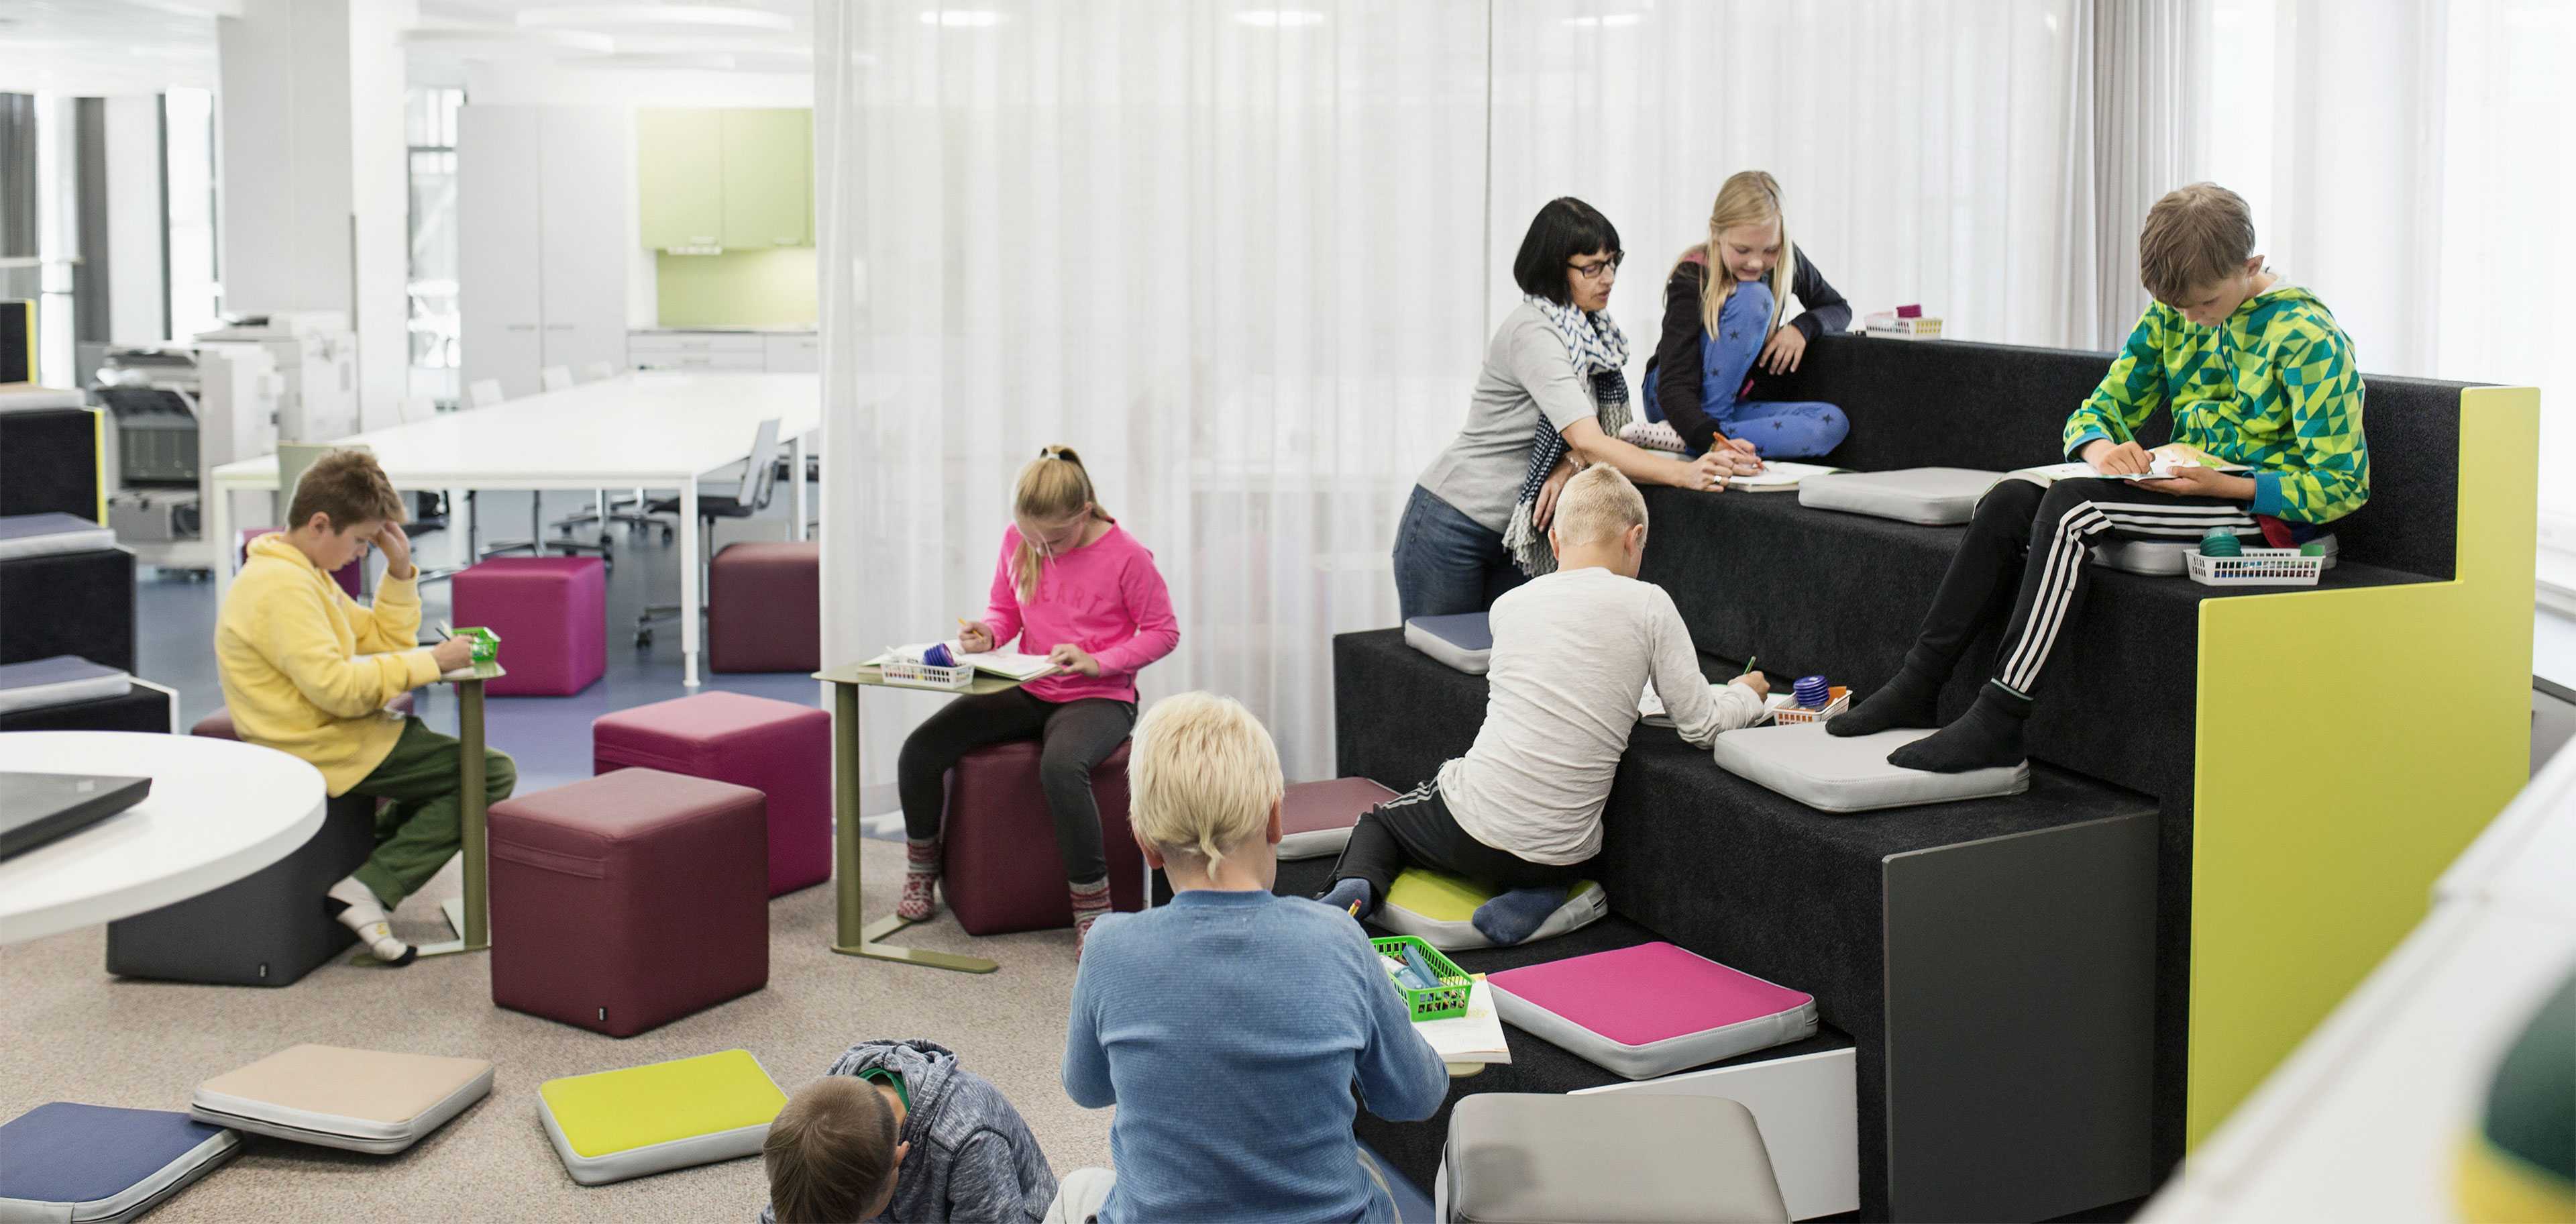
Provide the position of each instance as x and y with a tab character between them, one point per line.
628	900
765	607
1648	993
551	614
1315	818
1000	868
778	748
219	725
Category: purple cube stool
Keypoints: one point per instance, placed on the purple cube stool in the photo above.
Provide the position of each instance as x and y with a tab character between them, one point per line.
765	608
623	902
999	868
552	615
778	748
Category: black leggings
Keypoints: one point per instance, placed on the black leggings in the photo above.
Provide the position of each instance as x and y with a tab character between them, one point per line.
1415	828
1077	737
2034	546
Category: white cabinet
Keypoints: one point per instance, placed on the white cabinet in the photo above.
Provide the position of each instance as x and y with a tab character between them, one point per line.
541	240
773	352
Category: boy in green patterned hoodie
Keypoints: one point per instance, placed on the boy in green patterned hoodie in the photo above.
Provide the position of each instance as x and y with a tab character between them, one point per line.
2254	371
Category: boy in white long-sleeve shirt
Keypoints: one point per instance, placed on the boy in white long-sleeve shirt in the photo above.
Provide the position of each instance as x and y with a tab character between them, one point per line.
1522	810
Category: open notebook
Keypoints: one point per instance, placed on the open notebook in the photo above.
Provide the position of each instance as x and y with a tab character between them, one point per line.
1476	1037
1008	665
1777	476
2162	462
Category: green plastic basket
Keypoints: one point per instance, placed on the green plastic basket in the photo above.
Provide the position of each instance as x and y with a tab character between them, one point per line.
1441	1002
487	644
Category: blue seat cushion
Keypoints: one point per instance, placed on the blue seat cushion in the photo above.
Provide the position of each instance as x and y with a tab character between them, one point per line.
1464	641
43	535
85	1163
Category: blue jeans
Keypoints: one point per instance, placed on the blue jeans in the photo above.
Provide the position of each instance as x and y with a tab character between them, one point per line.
1778	429
1446	562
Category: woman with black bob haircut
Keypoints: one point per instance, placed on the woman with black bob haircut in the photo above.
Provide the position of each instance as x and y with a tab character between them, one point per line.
1551	400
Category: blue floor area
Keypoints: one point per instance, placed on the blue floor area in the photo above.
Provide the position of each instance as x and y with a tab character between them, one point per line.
549	736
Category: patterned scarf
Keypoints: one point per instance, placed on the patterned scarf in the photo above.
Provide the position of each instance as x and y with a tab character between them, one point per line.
1599	351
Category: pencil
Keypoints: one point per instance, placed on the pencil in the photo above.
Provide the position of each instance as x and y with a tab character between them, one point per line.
1748	663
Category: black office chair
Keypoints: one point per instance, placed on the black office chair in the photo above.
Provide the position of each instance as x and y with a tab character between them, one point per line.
740	498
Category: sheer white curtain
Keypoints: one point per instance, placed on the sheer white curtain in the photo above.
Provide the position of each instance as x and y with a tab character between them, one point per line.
2410	161
1229	253
1930	151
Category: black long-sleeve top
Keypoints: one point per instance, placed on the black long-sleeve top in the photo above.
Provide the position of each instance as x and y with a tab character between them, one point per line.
1677	365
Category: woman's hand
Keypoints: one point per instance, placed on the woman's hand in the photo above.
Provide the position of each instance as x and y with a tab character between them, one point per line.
1071	658
1708	473
1781	355
1738	452
396	546
1545	512
973	637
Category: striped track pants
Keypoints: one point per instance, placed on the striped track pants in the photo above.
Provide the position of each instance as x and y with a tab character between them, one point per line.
2041	540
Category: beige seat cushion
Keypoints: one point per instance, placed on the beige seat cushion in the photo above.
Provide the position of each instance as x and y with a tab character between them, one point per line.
361	1100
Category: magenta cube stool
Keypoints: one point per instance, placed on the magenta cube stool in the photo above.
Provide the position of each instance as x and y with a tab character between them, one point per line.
552	615
623	902
999	868
765	607
778	748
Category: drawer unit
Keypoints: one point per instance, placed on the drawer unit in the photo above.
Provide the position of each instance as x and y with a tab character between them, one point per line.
800	353
774	352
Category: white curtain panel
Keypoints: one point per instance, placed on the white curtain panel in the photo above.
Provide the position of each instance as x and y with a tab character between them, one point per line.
2145	104
2409	160
1232	255
1929	151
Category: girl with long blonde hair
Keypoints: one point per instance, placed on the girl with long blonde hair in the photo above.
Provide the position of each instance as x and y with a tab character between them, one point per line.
1722	308
1072	583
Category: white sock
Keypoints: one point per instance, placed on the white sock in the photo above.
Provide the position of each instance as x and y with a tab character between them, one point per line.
366	915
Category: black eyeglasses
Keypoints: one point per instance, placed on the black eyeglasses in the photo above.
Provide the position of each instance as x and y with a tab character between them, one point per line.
1599	269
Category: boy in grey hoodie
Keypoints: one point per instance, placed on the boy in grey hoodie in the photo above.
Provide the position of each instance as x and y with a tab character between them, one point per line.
896	1130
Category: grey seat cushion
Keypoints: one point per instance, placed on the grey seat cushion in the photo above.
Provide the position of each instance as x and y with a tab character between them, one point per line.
1464	641
60	680
1933	496
43	535
1834	774
1633	1157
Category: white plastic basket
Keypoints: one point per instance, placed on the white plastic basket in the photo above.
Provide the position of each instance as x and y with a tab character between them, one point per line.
2258	567
1791	716
909	674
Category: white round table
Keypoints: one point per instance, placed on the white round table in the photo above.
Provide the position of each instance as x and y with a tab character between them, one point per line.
219	810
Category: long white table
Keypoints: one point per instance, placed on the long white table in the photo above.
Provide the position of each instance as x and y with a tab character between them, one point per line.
643	430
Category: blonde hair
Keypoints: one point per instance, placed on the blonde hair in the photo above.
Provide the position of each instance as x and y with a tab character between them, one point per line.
830	1152
2193	237
1053	487
1748	197
1598	504
1201	776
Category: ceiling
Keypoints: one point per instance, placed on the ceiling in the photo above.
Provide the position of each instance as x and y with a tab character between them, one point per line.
107	47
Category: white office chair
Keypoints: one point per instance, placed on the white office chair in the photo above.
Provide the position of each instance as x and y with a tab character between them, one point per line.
484	392
598	370
741	498
555	378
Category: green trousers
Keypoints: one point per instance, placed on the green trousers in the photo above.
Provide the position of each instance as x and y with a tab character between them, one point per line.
421	825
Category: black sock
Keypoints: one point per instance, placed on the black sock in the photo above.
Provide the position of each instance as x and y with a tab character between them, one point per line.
1987	736
1909	700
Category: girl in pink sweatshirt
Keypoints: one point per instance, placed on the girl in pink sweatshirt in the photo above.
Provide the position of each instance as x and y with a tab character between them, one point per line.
1073	585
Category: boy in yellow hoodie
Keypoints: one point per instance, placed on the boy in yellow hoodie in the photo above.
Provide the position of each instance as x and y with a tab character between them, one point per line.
307	670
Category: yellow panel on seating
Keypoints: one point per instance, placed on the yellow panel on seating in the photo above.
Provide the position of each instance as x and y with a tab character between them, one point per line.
2350	744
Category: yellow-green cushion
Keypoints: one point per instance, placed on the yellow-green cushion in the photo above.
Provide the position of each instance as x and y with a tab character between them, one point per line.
612	1125
1437	908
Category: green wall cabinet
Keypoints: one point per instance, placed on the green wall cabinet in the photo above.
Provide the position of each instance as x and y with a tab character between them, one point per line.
678	160
768	177
741	179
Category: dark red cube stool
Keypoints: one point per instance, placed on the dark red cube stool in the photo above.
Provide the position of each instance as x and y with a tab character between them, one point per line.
779	748
551	614
623	902
765	607
999	867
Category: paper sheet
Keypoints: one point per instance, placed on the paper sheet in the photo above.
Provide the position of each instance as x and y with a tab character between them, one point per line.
1778	475
1476	1037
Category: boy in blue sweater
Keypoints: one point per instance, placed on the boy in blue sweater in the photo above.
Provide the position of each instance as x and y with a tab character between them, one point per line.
1228	1026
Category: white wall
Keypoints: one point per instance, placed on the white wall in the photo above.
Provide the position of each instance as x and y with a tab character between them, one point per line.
134	288
544	84
380	200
